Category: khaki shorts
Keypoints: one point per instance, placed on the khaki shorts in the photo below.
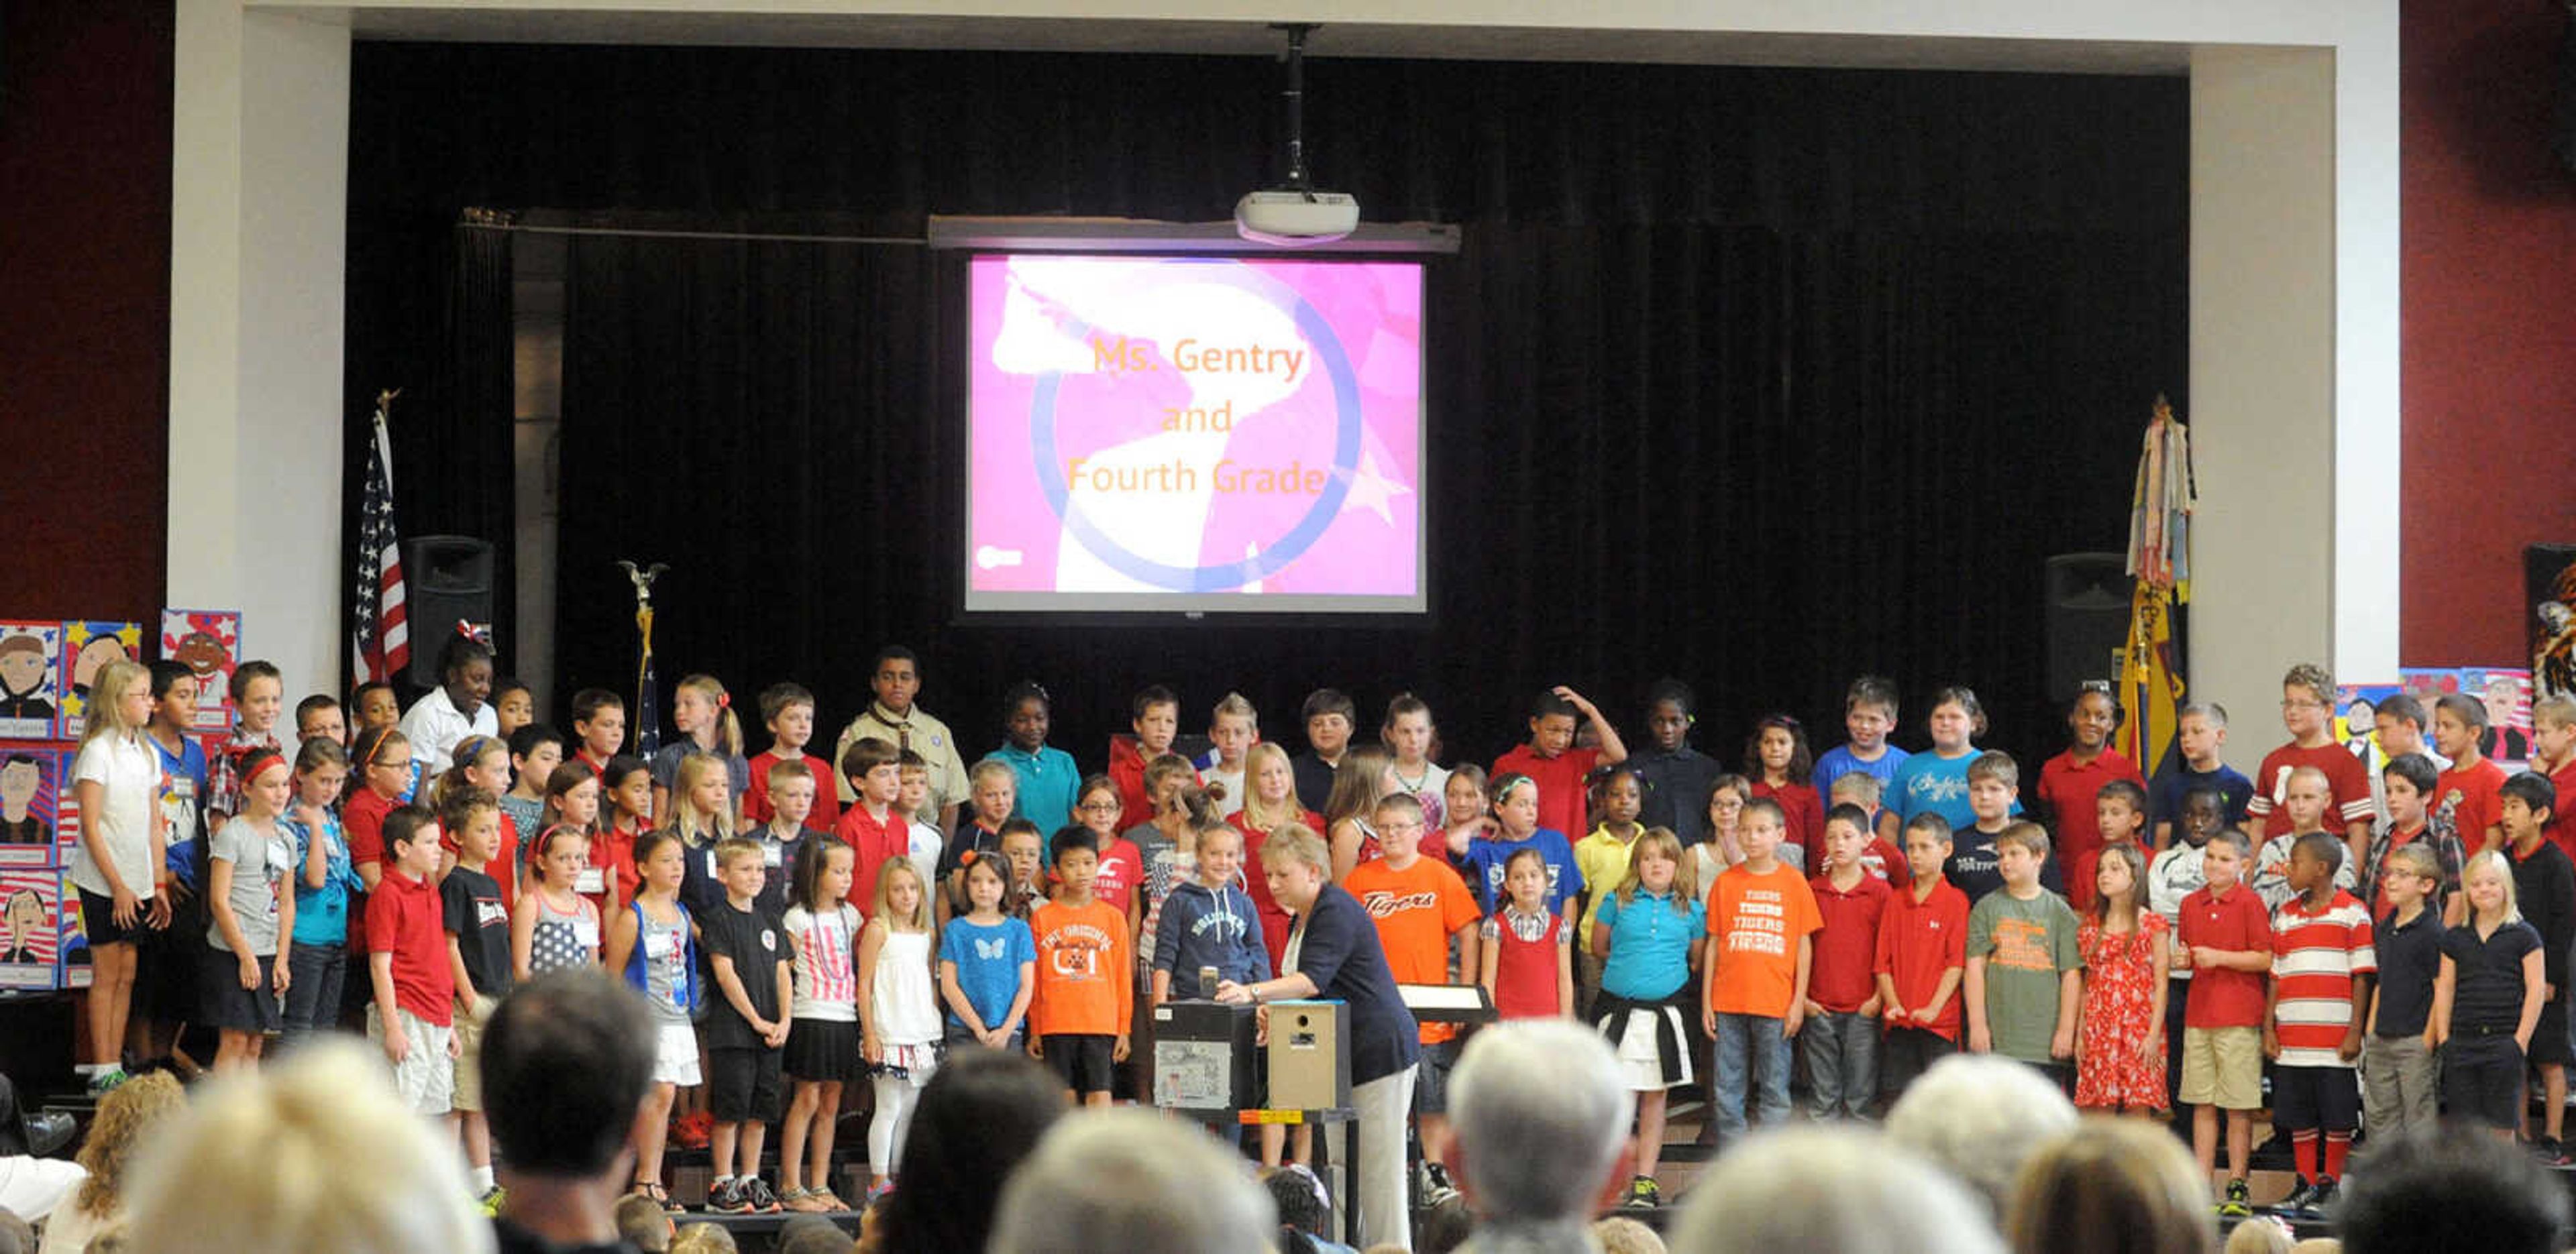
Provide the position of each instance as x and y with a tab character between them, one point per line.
2222	1067
469	1053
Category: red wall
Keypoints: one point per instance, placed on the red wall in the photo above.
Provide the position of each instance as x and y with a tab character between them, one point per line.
2490	323
84	306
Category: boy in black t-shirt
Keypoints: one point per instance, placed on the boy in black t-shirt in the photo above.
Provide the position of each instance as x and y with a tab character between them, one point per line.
746	1027
478	955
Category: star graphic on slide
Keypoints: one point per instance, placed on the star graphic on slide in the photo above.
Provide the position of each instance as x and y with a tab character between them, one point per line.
1372	491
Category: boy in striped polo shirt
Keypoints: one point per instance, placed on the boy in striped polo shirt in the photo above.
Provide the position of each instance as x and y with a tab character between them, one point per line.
2322	963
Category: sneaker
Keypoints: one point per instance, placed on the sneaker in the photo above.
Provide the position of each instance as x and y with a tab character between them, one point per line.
1435	1187
879	1190
1643	1194
490	1202
726	1198
2548	1150
2321	1204
2297	1205
2238	1203
103	1082
756	1192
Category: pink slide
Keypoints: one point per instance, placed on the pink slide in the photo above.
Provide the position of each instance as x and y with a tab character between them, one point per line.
1195	433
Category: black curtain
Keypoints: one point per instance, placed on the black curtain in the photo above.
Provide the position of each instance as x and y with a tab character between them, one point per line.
430	309
1760	378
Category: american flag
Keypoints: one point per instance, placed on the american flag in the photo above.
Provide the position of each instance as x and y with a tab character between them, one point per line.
380	641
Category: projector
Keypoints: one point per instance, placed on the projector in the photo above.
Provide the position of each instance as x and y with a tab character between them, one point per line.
1292	218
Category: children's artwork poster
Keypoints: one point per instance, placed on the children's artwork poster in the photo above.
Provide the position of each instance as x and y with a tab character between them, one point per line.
31	789
31	660
2356	720
30	898
208	643
2507	694
71	940
89	644
2549	588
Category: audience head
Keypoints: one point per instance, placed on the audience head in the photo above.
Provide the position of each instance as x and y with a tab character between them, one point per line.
1444	1227
2451	1188
1129	1179
263	1162
1802	1189
2116	1186
17	1236
982	1112
132	1114
1980	1117
1540	1116
1299	1197
1619	1234
567	1059
642	1223
813	1234
2262	1234
703	1238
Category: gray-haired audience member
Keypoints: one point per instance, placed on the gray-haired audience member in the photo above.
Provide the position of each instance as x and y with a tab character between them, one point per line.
1540	1116
2451	1190
1830	1189
1131	1180
1980	1117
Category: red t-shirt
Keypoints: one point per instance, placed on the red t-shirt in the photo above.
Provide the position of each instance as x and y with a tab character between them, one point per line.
2347	793
1525	970
1275	920
2564	780
2069	790
404	920
827	795
1917	942
1122	869
1805	811
613	852
2223	997
362	818
1887	862
876	842
1560	785
1843	974
2479	803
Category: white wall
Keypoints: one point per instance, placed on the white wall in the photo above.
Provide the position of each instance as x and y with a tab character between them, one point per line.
2294	390
259	211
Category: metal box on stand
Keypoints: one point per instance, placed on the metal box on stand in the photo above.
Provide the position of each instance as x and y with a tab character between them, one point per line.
1204	1057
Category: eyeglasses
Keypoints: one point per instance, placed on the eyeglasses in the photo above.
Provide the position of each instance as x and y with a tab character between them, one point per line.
404	763
2295	704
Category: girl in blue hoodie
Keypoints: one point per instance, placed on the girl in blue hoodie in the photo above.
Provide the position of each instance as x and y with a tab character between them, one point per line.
1209	922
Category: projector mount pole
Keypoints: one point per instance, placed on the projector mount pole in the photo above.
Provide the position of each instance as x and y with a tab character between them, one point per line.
1296	96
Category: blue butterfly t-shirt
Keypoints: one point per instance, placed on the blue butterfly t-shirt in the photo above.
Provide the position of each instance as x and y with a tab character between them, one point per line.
988	964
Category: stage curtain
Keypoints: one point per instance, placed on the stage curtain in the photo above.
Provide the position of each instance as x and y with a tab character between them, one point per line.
1760	378
434	318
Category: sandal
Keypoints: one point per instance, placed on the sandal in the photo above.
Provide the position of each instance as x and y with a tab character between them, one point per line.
831	1201
660	1196
804	1201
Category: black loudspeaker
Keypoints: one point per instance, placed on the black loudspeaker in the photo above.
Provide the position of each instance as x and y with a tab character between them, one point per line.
447	579
2088	619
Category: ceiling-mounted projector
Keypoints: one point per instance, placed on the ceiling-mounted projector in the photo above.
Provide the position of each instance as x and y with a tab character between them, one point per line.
1289	217
1295	213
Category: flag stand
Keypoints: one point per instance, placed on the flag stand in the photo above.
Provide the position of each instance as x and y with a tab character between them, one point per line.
648	713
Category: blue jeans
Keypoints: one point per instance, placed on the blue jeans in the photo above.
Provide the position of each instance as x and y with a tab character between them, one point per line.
1750	1043
1841	1049
314	977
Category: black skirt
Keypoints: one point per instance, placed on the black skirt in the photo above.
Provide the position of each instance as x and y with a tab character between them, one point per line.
821	1049
230	1006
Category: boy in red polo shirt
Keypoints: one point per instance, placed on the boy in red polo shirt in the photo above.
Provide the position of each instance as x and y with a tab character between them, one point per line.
1419	906
873	826
2228	936
599	725
1841	1036
788	711
412	1014
2553	756
2307	704
2466	796
1554	764
1922	956
2069	782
